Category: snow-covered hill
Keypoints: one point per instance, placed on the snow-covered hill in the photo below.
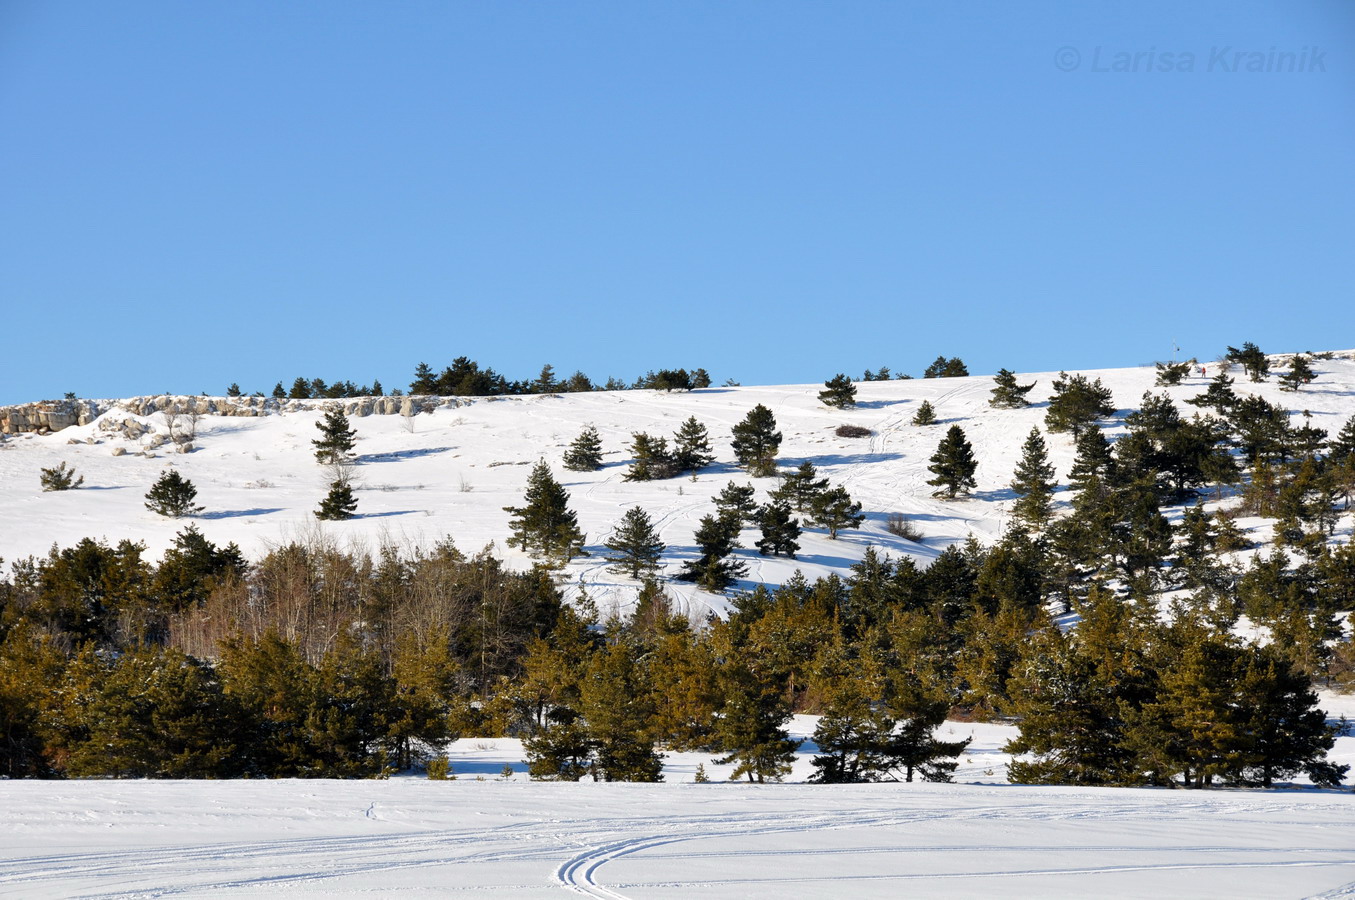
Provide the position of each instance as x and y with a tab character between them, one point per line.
451	471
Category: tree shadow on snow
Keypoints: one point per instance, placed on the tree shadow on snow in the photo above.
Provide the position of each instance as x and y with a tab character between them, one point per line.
397	455
238	513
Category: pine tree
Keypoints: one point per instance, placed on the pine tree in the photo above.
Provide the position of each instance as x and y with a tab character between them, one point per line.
616	702
636	545
716	539
751	725
339	503
838	392
736	503
1033	482
650	459
800	488
1093	458
691	447
925	415
953	464
545	525
172	495
700	379
336	441
59	478
1343	445
1007	394
1173	373
279	393
424	381
1252	360
780	532
756	442
301	389
834	510
585	454
1218	396
946	368
1076	403
233	390
1300	373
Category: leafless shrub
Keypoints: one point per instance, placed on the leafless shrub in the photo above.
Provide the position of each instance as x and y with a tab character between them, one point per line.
852	431
899	525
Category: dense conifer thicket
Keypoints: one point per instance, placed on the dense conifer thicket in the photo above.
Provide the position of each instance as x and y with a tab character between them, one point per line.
320	661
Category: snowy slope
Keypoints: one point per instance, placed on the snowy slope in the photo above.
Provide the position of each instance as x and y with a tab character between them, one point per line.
455	472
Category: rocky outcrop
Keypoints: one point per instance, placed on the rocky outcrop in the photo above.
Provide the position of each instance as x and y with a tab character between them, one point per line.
54	415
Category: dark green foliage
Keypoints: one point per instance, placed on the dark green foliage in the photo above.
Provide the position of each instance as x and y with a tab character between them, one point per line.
650	459
339	503
700	379
1033	482
946	368
712	569
191	568
751	725
1342	447
735	503
279	392
953	464
1252	360
834	510
1218	396
1260	430
60	478
1076	403
233	390
925	415
615	699
668	380
1007	394
424	382
301	389
838	392
545	382
691	447
800	488
1173	372
545	526
336	441
780	531
172	495
756	442
585	454
636	545
1300	373
1093	458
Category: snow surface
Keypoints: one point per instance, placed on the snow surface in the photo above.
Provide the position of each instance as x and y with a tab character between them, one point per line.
484	834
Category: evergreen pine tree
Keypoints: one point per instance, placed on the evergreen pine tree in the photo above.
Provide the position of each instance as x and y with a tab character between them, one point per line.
700	379
716	539
834	510
946	368
756	442
545	525
691	447
336	441
838	392
172	495
953	464
1093	458
780	532
60	478
1007	394
616	702
1343	445
800	488
636	545
1076	403
279	392
233	390
425	382
1300	373
1252	360
925	415
339	503
585	454
301	389
650	458
1033	482
1218	396
1173	372
736	503
751	725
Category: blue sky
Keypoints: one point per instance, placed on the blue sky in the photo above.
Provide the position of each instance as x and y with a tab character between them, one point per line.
193	194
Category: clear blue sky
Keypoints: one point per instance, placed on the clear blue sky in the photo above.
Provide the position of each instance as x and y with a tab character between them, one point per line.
198	193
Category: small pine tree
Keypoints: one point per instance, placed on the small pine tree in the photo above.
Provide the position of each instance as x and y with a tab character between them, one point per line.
1343	445
585	454
233	390
1007	394
651	459
339	503
545	525
60	478
953	464
780	532
756	442
701	777
800	488
1033	482
636	545
1300	373
301	389
925	415
691	447
716	539
1252	360
279	392
838	392
172	495
1076	403
700	379
1218	396
736	503
834	510
946	368
1173	373
336	438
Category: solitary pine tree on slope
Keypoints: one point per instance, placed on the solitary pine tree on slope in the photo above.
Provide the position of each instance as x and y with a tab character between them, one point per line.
336	440
925	415
172	495
953	464
691	447
839	392
545	525
585	454
636	545
339	503
756	442
1007	394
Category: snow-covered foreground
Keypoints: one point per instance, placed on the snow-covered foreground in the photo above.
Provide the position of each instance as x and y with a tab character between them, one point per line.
515	839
